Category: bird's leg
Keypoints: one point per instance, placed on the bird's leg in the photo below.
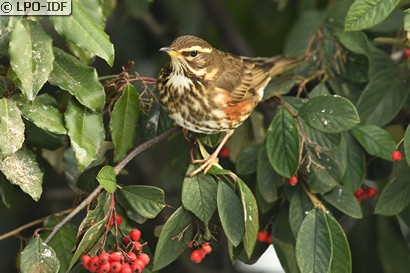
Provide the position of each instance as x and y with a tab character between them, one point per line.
212	159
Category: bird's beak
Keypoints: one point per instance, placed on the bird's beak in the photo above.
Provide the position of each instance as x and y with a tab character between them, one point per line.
170	51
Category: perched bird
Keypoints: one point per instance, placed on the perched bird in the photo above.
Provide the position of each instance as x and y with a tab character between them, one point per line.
206	90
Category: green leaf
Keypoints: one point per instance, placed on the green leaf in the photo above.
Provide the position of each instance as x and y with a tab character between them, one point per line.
354	174
327	142
6	191
326	175
106	177
313	244
199	195
355	42
341	257
86	132
407	22
330	114
383	97
365	14
299	207
22	169
395	196
11	128
407	144
90	238
38	257
375	141
124	118
148	201
282	143
251	217
31	56
44	116
231	214
175	236
79	29
267	180
78	79
247	159
344	200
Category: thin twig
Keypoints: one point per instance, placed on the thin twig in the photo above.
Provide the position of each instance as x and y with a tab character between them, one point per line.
117	170
315	201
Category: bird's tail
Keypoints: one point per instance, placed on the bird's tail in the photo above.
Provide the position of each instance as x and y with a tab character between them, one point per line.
282	64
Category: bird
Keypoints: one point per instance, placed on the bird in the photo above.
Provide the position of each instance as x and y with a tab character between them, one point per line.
209	91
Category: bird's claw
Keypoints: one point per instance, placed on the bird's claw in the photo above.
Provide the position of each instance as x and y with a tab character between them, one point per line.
206	165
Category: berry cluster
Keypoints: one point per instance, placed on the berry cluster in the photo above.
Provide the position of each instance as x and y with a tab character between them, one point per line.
199	254
264	237
119	261
365	193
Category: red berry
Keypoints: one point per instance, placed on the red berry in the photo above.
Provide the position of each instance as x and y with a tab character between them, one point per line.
197	256
118	218
269	239
132	256
126	268
93	264
137	266
144	258
116	267
116	256
85	259
207	248
104	268
359	192
396	155
263	236
224	153
137	246
370	192
135	234
407	53
104	257
293	180
126	240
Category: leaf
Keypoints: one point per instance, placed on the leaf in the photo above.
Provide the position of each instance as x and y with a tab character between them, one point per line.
344	200
44	116
247	159
31	56
395	196
299	207
282	143
354	174
38	257
148	201
313	244
365	14
251	217
267	180
231	214
11	128
327	142
329	114
383	97
355	42
326	176
375	141
6	191
78	79
199	195
341	257
22	169
407	144
124	118
79	29
86	132
175	236
106	178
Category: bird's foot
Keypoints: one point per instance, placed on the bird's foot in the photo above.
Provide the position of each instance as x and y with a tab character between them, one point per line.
206	164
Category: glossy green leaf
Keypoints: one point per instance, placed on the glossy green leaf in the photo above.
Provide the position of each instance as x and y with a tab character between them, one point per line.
326	142
231	214
329	114
31	56
124	118
199	195
251	217
299	207
313	244
407	144
365	14
11	128
267	180
6	191
341	256
383	97
354	174
175	236
78	79
395	196
44	116
38	257
355	42
148	201
375	140
106	178
282	143
79	29
247	159
344	200
86	132
325	174
22	169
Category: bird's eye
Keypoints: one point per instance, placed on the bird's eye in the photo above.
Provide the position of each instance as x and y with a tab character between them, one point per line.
194	53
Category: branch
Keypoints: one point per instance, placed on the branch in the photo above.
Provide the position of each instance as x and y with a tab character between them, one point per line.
137	150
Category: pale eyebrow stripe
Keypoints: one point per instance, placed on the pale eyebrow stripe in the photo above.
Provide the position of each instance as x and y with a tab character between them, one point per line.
200	49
